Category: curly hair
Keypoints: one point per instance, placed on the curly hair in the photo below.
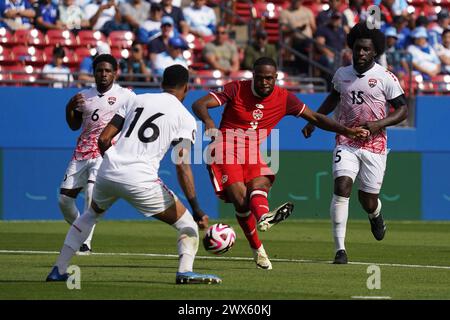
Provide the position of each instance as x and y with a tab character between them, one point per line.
361	31
105	58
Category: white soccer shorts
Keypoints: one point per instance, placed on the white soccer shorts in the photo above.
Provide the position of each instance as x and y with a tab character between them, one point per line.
366	166
149	200
79	172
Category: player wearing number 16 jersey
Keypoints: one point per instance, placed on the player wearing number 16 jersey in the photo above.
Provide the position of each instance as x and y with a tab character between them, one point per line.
147	127
359	97
91	110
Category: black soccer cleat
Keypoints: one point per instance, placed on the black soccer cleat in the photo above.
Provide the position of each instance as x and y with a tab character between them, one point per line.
84	250
341	257
378	227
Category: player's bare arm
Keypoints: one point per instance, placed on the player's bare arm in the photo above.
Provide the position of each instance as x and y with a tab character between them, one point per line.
400	113
325	108
200	109
329	124
73	116
109	132
186	180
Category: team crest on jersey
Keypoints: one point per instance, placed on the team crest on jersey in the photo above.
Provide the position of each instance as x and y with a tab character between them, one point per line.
372	82
259	106
112	100
257	114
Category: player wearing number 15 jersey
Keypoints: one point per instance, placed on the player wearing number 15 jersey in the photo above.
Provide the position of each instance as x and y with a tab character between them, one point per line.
147	127
91	110
252	109
359	97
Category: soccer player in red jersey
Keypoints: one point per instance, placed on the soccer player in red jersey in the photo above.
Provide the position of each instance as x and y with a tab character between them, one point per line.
239	175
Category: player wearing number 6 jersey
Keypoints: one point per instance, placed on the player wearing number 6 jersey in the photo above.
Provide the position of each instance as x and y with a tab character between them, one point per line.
91	110
359	97
148	126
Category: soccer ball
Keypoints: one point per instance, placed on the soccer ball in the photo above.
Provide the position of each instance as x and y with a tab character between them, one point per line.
219	238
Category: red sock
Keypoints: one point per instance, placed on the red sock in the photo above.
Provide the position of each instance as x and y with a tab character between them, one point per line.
248	225
259	204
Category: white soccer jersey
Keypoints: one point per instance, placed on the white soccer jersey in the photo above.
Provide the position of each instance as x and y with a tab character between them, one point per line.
151	124
97	112
363	98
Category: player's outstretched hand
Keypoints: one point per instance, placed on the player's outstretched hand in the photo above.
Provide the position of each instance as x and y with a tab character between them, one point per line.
77	101
308	130
358	133
202	219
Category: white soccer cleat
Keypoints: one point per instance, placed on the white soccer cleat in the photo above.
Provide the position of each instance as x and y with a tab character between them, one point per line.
261	259
275	216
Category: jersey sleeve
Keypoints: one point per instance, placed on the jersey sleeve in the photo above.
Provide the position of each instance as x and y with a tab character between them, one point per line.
294	106
336	81
392	87
127	105
229	92
188	128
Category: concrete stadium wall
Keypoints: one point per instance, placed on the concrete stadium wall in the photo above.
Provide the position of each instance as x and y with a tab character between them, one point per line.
36	146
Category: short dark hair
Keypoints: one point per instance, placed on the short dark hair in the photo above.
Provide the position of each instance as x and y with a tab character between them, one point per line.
58	52
445	32
265	61
175	76
105	57
361	31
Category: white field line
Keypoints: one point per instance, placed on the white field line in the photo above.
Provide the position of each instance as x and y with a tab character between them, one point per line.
400	265
371	297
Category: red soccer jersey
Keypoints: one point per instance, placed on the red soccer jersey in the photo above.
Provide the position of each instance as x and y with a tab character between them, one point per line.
245	110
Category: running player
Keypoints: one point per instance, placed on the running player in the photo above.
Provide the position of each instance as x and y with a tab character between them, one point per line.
253	108
147	127
91	110
359	96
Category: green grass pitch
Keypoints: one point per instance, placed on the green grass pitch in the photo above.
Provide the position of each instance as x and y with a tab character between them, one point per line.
141	263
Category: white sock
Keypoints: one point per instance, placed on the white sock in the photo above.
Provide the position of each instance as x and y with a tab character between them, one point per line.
80	229
377	211
63	259
339	216
187	244
88	191
68	208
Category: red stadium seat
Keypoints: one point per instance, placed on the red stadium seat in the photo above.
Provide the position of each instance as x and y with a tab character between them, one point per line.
120	53
121	39
29	55
6	38
90	38
31	37
6	56
83	52
61	37
24	75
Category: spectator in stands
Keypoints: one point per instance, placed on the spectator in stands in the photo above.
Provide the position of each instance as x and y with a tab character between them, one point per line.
298	26
200	18
221	54
135	64
424	59
177	15
135	12
355	12
86	72
173	55
387	12
47	16
325	16
394	60
104	15
257	49
175	3
151	28
398	7
400	23
443	51
18	14
57	71
160	43
435	32
72	16
330	42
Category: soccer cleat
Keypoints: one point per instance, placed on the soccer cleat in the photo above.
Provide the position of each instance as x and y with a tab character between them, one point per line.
196	278
55	276
341	257
378	227
261	259
84	250
271	218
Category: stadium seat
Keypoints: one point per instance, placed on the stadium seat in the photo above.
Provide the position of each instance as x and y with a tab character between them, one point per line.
61	37
6	38
241	75
120	53
6	56
25	75
29	55
121	39
83	52
209	78
31	37
90	38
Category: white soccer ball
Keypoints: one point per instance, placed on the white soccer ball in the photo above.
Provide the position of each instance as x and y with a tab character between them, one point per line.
219	238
